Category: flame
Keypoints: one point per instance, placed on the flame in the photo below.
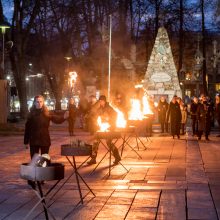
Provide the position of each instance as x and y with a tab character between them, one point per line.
120	121
139	109
103	126
146	106
72	78
135	112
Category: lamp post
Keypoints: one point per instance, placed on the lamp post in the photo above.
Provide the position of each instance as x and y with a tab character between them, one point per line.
3	28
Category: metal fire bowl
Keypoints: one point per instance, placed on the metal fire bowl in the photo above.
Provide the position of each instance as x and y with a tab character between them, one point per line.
75	150
137	123
130	129
53	172
108	135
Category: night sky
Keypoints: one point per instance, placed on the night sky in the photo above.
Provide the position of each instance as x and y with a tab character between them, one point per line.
210	21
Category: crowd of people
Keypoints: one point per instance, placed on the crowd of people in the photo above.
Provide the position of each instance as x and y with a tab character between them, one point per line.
172	118
202	112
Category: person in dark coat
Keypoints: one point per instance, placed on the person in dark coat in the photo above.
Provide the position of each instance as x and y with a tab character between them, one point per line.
174	115
107	114
193	110
204	115
162	112
37	127
90	117
72	116
217	110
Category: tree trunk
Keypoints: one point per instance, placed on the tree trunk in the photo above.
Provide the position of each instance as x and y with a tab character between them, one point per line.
181	37
18	69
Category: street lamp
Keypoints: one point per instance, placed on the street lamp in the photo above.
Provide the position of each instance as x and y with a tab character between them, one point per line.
3	28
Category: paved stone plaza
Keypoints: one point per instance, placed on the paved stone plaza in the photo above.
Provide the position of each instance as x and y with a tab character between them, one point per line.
175	179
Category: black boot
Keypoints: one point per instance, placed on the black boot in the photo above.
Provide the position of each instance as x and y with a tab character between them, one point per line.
116	156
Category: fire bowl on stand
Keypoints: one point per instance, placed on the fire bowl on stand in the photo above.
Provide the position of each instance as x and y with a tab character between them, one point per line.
53	172
76	150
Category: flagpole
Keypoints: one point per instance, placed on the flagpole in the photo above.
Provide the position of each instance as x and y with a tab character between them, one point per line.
109	56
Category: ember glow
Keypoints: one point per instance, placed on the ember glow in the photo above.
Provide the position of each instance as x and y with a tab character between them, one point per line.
103	126
72	78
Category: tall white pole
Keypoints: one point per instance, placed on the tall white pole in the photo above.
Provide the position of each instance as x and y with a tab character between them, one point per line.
109	56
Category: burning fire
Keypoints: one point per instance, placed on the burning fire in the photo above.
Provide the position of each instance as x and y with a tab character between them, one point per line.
103	126
120	121
139	109
146	106
72	78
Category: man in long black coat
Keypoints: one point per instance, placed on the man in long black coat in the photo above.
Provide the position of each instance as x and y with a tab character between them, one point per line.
174	116
204	116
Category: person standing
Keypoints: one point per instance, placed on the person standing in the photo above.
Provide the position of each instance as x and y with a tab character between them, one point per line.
217	110
162	112
204	115
193	110
72	116
174	114
36	133
183	109
90	117
107	114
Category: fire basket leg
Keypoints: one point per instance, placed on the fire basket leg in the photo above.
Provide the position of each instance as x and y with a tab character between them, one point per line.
77	179
43	200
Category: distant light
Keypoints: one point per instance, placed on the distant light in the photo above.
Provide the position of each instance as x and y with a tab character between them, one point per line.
138	86
30	64
39	75
27	79
181	83
8	77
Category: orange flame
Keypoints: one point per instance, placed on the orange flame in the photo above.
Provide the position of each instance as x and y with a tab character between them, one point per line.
72	78
135	112
103	126
139	109
146	106
120	121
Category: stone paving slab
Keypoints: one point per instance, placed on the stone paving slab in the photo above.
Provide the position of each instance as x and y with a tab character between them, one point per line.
175	179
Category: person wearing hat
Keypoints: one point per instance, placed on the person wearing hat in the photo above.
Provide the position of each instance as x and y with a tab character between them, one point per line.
204	114
108	114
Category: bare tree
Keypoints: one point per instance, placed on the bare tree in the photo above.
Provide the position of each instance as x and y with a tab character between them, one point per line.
24	15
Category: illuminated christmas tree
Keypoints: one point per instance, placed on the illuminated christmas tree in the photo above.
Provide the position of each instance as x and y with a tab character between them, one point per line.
161	75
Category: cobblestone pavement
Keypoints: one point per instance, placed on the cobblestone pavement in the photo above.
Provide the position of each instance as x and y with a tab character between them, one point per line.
174	179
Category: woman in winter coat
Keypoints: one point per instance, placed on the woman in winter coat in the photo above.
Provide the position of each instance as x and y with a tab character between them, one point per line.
183	109
174	114
37	126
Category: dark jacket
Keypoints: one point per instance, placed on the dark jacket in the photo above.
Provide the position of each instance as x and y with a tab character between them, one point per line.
108	114
72	111
37	125
162	111
204	116
193	110
217	112
174	114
